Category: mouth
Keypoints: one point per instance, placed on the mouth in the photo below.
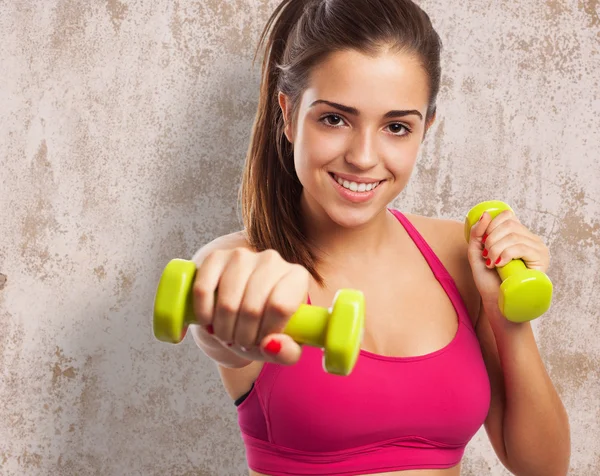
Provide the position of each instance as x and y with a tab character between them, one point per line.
358	186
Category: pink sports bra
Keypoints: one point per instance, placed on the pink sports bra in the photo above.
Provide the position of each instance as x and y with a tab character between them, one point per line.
389	414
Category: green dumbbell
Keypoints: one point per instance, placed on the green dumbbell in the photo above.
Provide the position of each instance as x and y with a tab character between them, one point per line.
338	330
525	294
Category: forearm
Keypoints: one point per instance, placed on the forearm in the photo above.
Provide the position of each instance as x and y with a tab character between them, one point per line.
535	423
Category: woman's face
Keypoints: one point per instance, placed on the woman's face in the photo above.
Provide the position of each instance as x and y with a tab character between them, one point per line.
357	133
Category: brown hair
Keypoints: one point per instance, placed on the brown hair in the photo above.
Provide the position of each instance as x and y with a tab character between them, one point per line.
300	34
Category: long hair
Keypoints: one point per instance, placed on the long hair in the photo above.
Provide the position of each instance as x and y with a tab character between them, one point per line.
298	35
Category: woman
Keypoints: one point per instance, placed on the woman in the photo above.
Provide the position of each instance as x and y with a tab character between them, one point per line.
348	93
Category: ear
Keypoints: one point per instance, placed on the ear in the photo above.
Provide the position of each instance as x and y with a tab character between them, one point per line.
284	104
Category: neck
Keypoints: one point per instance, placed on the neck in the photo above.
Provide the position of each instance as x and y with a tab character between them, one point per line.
336	244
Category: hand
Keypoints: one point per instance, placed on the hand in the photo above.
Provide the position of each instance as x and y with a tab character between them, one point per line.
495	242
257	294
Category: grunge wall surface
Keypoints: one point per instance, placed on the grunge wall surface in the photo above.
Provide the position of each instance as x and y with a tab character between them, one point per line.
123	127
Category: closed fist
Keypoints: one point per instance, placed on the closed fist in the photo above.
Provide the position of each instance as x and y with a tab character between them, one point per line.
245	298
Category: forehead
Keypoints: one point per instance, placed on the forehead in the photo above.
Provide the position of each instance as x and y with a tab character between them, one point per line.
388	80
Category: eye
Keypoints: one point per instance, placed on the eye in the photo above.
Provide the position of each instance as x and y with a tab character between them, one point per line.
399	129
332	120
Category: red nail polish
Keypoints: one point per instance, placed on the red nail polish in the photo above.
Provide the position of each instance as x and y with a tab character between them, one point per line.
229	344
485	252
273	346
488	262
483	239
498	260
210	329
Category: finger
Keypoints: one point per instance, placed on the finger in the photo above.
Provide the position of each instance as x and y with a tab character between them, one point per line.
286	297
265	277
506	227
205	283
512	247
499	219
280	348
478	230
230	293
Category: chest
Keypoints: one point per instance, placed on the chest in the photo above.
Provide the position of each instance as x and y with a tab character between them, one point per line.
408	311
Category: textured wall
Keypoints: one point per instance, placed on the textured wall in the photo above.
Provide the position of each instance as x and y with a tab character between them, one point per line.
123	127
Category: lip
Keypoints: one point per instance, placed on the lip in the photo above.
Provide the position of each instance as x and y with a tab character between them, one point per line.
356	178
354	197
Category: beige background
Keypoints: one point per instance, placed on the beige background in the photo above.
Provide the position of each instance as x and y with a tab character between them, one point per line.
123	126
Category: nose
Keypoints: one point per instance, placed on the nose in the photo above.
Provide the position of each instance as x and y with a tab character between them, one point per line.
361	152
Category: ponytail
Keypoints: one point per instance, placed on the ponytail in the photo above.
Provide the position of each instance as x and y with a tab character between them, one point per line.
270	190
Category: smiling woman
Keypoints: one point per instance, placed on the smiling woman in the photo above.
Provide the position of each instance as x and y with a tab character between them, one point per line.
348	94
345	113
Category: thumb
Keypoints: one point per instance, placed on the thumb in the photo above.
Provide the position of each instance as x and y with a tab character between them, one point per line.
281	348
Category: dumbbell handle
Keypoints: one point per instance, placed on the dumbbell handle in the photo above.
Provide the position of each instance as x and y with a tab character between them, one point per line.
511	268
174	294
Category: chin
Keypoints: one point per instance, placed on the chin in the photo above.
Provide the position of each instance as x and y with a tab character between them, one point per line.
352	216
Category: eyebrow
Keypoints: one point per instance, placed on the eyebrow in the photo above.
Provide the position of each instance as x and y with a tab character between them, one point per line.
355	112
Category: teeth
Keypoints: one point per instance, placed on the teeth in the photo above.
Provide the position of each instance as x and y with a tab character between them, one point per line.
356	187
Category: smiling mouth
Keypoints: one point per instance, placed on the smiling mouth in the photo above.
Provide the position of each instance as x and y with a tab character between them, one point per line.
355	186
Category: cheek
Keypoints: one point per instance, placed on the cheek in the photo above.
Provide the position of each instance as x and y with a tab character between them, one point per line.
314	148
402	159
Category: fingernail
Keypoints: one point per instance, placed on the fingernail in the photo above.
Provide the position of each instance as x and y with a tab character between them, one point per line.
210	329
488	262
485	252
483	239
229	344
273	346
498	260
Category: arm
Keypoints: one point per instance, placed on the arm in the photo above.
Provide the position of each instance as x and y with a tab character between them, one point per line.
527	423
212	347
258	291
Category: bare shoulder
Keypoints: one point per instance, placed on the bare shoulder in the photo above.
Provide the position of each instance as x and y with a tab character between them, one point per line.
230	241
446	238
